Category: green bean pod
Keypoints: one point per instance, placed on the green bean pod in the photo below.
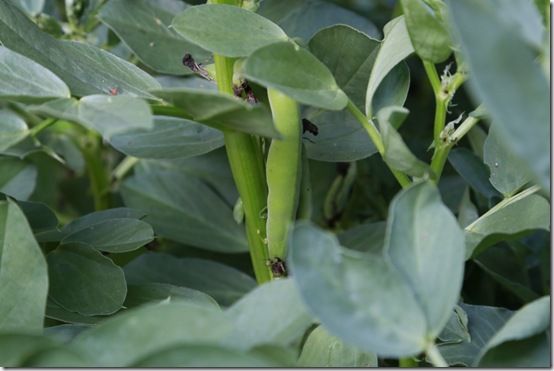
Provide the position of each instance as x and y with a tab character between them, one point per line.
283	172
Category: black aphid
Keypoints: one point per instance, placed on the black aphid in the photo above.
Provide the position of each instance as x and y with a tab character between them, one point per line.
278	267
197	68
245	91
310	127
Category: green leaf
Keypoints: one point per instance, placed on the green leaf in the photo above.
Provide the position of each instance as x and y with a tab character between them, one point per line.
364	237
223	283
397	154
295	72
521	342
349	55
183	208
40	217
257	320
55	311
113	235
169	138
427	29
17	177
82	280
12	131
512	86
456	329
155	292
16	348
508	174
84	68
303	18
473	170
227	30
415	244
22	79
107	115
505	266
144	26
338	284
520	213
219	110
216	356
23	274
395	47
321	349
126	338
31	7
483	323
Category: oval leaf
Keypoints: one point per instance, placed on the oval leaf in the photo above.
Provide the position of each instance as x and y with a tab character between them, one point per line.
227	30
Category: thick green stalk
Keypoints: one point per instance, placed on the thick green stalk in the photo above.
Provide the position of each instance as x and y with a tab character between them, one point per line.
375	137
283	171
99	177
407	362
435	356
246	162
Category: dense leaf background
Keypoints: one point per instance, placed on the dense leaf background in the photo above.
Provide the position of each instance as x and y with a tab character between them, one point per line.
122	232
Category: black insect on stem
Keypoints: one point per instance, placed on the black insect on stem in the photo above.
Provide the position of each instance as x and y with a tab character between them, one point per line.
278	267
245	91
310	127
188	61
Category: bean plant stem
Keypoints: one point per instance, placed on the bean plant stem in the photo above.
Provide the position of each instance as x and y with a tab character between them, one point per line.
440	100
375	137
305	201
435	357
246	162
407	362
91	148
124	167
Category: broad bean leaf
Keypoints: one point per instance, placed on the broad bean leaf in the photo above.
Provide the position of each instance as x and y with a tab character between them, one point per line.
220	111
23	274
64	332
295	72
395	47
113	235
520	213
17	177
84	68
82	280
257	320
513	87
225	284
183	208
66	149
397	154
227	30
473	170
58	357
413	250
427	29
508	174
337	284
456	329
127	337
217	356
55	311
522	341
349	55
12	129
144	26
22	79
364	237
39	216
138	294
31	7
303	18
508	269
483	323
107	115
15	348
322	349
169	138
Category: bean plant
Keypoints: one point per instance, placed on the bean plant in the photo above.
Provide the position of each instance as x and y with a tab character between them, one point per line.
274	183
